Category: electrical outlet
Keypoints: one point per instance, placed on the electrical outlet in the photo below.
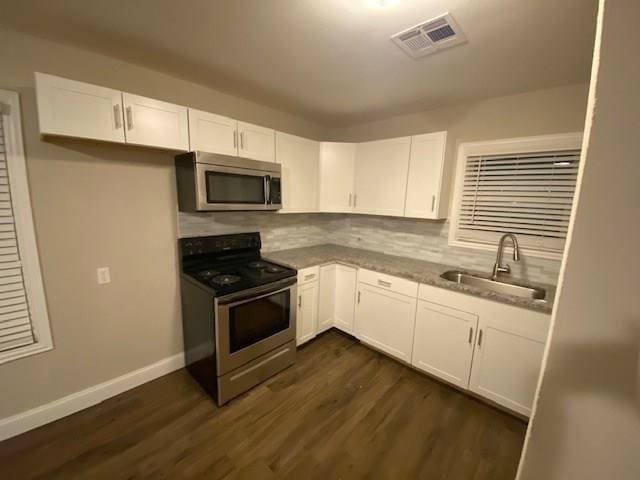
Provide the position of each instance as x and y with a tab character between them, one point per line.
104	275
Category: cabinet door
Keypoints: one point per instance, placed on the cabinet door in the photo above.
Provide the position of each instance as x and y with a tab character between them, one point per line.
345	298
426	170
381	176
299	159
212	133
77	109
155	123
256	142
443	342
337	164
307	315
385	320
508	357
327	297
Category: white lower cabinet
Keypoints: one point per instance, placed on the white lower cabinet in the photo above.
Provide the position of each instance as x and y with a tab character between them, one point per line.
444	341
307	312
503	361
385	319
345	298
327	294
508	357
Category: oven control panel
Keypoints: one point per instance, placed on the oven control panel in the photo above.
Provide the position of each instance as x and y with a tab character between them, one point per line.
219	243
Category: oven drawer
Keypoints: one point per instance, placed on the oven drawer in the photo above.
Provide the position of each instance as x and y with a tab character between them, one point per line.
310	274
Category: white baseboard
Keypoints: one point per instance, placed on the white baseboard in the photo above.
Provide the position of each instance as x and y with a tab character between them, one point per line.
36	417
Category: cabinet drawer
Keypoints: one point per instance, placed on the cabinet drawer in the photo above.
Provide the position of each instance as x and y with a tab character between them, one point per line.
388	282
310	274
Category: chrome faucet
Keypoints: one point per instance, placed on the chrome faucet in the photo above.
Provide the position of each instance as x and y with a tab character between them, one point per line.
497	267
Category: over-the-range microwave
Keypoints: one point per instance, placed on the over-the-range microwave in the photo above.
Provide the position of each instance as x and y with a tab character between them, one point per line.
215	182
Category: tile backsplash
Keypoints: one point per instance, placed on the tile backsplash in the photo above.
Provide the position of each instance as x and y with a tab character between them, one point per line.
420	239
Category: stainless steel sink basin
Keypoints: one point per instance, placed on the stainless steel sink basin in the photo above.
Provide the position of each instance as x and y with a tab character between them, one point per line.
498	286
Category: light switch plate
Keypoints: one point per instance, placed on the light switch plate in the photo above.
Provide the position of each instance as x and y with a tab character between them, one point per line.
104	275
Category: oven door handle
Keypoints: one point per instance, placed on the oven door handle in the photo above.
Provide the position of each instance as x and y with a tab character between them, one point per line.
233	300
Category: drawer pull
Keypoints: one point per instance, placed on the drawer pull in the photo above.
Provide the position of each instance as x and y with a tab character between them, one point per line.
310	276
382	283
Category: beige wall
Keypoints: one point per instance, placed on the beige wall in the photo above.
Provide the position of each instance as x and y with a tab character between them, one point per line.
95	205
554	110
586	423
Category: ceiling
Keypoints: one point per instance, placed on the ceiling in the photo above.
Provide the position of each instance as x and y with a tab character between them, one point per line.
329	60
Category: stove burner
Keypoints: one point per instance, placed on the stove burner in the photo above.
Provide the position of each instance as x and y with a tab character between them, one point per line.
225	279
207	274
257	264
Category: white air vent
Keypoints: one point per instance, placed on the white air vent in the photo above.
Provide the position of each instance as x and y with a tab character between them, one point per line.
430	36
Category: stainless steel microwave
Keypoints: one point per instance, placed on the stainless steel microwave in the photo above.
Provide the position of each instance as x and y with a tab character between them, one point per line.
215	182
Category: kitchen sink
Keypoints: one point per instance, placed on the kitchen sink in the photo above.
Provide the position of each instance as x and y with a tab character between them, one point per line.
498	286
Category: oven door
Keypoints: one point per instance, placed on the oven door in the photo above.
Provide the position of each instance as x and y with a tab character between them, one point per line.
252	323
230	188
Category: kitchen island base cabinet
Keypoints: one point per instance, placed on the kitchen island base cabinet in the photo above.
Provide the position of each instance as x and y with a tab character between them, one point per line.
385	320
443	342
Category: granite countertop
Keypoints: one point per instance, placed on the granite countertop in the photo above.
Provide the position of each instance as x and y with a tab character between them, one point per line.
419	271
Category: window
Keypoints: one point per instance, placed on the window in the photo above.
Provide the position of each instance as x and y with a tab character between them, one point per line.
523	186
24	324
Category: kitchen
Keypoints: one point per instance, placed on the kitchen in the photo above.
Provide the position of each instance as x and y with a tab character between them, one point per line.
370	225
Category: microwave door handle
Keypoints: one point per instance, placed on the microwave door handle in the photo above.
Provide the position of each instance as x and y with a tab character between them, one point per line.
267	189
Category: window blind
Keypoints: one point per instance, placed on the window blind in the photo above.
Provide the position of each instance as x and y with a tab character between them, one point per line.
527	194
15	321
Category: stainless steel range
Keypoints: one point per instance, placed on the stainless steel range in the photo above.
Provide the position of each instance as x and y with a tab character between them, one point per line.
238	313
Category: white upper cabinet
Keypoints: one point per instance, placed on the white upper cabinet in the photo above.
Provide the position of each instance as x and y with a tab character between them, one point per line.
299	158
443	342
155	123
212	133
426	195
77	109
381	176
337	165
255	142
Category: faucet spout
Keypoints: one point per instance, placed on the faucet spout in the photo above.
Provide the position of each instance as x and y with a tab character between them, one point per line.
498	268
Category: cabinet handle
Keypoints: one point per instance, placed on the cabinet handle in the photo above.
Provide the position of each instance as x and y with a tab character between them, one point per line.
350	195
129	118
242	140
118	116
299	301
235	139
358	296
355	199
384	284
480	338
310	276
433	202
470	335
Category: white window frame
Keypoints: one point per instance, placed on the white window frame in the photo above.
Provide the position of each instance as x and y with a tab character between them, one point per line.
25	233
507	146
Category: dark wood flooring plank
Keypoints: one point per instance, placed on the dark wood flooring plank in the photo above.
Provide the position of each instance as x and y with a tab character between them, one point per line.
342	411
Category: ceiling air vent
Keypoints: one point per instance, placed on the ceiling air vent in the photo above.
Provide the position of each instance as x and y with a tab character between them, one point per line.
430	36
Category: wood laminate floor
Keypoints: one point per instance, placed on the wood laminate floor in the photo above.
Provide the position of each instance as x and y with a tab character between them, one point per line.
343	411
